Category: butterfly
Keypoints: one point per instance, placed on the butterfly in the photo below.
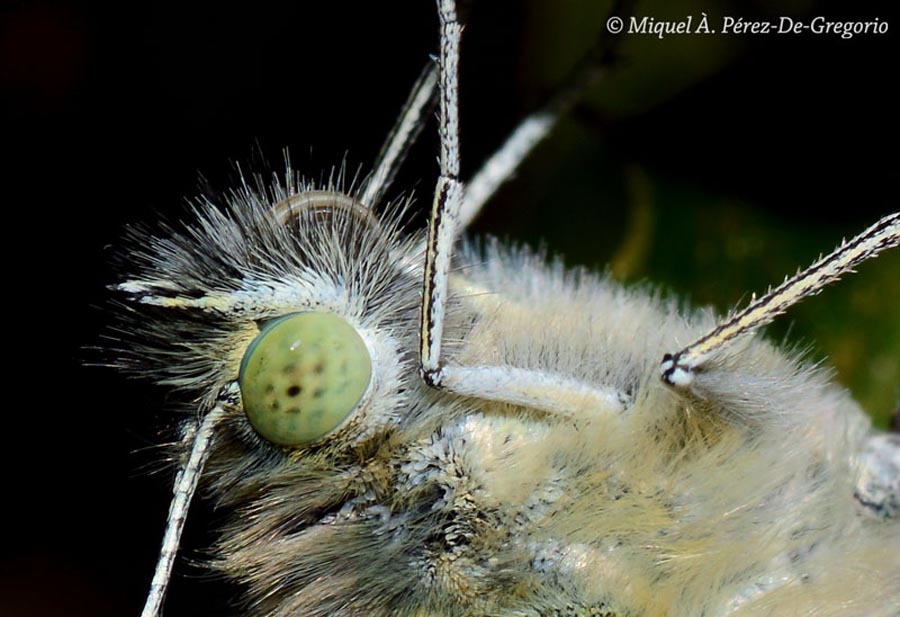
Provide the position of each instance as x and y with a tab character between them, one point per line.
404	425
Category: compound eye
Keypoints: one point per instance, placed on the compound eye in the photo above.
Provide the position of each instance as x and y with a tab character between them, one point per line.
302	377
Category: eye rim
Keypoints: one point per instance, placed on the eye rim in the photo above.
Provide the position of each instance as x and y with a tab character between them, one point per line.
343	418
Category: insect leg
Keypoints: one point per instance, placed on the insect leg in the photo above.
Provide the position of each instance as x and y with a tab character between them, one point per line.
679	369
186	480
448	191
502	164
556	394
402	136
546	391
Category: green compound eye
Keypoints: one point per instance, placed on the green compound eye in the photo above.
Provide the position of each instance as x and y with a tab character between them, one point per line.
302	377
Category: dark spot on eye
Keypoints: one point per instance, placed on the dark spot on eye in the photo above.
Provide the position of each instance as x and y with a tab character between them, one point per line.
270	388
318	392
294	411
294	390
319	368
288	369
276	405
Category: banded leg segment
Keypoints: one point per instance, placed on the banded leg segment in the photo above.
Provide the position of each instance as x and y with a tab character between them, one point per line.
555	394
679	369
444	218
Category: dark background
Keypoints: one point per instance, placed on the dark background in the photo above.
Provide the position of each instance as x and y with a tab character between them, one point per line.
758	152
